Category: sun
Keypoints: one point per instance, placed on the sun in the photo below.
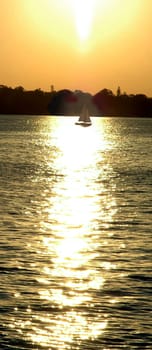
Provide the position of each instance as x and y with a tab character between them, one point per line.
83	12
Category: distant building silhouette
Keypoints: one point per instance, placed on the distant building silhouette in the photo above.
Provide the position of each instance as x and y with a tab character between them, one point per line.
52	88
118	91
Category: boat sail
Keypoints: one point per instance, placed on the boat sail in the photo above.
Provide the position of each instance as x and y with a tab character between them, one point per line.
84	119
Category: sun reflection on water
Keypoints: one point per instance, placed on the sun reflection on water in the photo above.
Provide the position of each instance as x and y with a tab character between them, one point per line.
71	241
78	149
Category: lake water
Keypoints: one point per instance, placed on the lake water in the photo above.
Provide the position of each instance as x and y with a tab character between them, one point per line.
75	233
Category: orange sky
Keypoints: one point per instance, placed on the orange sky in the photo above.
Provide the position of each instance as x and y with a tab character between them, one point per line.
87	44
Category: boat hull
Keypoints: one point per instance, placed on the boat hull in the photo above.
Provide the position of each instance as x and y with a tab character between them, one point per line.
83	123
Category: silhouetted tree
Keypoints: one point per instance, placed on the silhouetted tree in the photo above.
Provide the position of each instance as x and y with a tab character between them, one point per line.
60	103
19	88
104	101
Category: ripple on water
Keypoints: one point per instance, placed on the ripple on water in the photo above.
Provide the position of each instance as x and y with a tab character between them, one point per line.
75	221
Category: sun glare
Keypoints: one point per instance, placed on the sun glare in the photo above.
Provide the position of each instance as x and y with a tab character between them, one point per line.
83	11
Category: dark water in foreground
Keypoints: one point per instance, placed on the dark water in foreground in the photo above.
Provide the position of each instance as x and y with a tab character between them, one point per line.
76	234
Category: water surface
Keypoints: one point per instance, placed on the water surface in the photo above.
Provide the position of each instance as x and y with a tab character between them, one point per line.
76	233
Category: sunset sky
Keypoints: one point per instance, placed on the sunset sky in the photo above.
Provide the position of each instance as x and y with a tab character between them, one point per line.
77	44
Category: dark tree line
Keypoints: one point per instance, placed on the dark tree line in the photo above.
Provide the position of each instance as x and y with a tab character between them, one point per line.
67	102
20	101
122	104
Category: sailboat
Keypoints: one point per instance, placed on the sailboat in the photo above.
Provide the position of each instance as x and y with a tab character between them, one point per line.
84	119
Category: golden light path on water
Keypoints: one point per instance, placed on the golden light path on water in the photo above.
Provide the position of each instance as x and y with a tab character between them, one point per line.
70	243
